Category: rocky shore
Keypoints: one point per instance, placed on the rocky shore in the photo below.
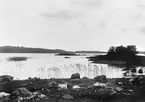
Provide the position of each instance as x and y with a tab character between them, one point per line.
73	89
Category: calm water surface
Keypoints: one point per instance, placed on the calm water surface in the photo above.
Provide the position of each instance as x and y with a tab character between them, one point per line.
51	66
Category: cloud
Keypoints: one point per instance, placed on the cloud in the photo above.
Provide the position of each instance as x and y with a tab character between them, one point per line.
63	15
87	3
126	30
142	30
102	24
137	17
141	6
83	25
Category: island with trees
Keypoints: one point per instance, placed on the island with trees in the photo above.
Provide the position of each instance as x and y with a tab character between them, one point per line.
120	55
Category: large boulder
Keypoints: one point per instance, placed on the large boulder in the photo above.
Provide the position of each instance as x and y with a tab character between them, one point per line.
75	81
5	78
11	86
24	92
68	96
20	92
69	85
75	76
140	71
85	78
137	80
86	82
101	79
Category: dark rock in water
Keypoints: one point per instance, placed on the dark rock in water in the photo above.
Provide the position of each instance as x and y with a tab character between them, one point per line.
133	70
101	78
75	76
66	57
140	71
68	96
23	92
67	54
5	78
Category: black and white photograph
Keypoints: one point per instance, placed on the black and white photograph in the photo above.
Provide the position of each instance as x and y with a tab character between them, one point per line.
72	50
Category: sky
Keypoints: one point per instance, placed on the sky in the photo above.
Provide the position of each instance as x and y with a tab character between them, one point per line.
72	24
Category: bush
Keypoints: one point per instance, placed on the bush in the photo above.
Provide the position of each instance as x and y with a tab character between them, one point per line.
122	53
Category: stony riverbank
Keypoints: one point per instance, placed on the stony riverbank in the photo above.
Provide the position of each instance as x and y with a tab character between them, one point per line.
74	89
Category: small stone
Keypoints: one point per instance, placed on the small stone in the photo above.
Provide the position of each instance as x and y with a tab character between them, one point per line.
52	84
99	84
133	70
68	96
120	83
76	87
43	96
63	86
69	85
118	88
45	91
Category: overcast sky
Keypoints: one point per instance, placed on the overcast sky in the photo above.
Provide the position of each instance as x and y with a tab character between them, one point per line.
72	24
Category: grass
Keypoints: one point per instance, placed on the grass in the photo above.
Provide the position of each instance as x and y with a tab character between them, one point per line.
17	58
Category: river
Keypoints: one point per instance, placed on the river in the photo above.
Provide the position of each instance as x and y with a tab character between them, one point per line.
52	66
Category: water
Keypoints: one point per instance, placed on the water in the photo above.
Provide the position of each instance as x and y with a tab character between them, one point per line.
51	66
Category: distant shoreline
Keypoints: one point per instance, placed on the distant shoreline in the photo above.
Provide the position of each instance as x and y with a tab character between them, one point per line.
17	49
